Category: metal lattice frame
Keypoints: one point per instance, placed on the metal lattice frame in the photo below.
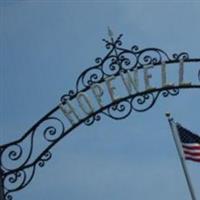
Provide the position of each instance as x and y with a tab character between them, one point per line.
18	164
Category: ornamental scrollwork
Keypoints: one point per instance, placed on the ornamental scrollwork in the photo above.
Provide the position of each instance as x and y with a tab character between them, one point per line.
14	155
118	60
19	179
137	103
20	159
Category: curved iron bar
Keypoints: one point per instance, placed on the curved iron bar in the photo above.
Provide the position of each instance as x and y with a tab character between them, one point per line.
14	175
112	64
72	94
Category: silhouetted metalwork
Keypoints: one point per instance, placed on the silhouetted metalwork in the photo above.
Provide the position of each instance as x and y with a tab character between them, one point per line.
19	159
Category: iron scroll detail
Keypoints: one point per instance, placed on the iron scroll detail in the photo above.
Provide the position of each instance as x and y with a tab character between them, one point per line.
20	159
118	60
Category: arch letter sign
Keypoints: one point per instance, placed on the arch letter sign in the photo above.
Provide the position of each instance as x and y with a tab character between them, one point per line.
124	81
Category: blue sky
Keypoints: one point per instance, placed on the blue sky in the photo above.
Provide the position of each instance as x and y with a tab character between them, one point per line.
45	45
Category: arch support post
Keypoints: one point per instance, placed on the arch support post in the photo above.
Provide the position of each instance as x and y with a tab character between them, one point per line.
2	195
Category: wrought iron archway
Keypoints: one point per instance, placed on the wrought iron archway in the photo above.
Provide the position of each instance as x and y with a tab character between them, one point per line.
18	161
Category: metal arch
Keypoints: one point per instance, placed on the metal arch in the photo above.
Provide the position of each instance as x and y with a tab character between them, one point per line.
117	60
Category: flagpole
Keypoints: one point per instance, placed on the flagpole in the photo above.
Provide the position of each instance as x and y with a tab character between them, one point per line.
180	153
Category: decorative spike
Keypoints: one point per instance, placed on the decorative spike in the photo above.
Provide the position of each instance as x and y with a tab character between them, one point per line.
110	33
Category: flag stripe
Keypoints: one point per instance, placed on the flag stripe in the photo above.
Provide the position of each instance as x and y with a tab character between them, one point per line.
193	159
191	144
192	147
192	153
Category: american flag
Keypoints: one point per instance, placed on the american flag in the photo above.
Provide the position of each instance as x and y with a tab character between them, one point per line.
190	143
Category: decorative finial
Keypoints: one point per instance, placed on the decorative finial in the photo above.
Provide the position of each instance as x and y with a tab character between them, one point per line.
168	115
110	33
